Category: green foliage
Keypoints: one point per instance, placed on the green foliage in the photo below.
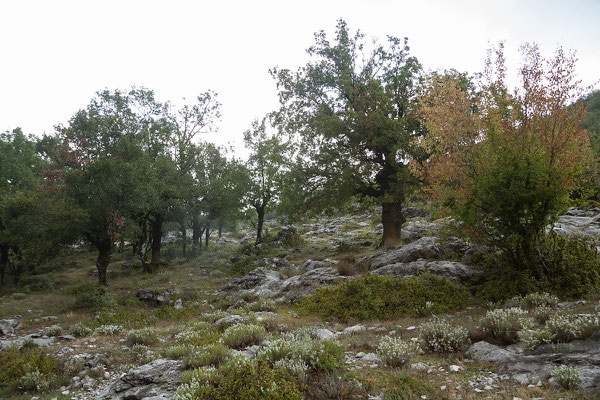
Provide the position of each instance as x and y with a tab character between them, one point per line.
381	297
242	381
396	352
406	387
503	325
210	355
19	362
242	335
79	330
567	377
144	336
91	296
564	267
440	336
53	330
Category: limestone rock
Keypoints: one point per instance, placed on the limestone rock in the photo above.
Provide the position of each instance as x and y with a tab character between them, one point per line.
156	380
261	282
8	326
446	269
155	297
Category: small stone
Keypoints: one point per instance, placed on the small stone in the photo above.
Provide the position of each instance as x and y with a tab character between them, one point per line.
411	328
443	387
454	368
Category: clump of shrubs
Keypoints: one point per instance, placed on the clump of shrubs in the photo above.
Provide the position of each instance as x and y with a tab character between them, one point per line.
262	304
54	330
30	362
214	354
303	347
534	300
92	296
396	352
383	298
243	335
177	351
241	380
144	336
439	336
108	330
567	377
79	330
562	329
503	325
142	353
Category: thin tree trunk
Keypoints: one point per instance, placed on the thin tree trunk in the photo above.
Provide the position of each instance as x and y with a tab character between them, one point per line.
220	227
3	262
104	254
183	230
392	220
206	234
156	232
260	210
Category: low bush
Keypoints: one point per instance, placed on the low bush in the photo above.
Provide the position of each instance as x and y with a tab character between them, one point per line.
503	325
213	354
439	336
242	335
92	296
567	377
262	304
54	330
534	300
396	352
79	330
108	330
302	345
144	336
16	363
177	352
382	297
36	381
255	381
142	353
562	329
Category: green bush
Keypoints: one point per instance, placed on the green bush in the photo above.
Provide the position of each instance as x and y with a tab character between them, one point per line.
503	325
53	330
144	336
92	296
564	267
440	336
241	335
383	298
248	380
79	330
211	355
15	363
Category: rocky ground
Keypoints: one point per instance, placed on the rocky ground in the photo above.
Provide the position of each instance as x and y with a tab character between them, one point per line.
176	300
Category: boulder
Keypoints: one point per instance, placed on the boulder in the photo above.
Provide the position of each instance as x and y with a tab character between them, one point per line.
276	263
446	269
484	351
304	285
425	247
155	380
155	297
417	229
8	326
309	265
260	282
229	320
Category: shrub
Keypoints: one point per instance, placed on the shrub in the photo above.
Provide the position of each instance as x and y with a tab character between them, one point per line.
17	362
144	336
504	324
196	337
203	374
294	366
397	352
543	314
214	354
567	377
177	352
92	296
534	300
383	297
440	336
79	330
318	354
562	329
108	330
36	381
142	353
262	304
242	335
242	381
54	330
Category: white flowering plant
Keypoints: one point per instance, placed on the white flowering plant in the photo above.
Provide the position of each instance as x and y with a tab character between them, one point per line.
440	336
396	352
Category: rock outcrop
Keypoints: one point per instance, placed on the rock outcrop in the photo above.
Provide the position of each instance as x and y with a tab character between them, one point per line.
446	269
152	381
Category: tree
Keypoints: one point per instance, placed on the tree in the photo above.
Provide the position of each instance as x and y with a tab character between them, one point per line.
266	167
504	162
354	112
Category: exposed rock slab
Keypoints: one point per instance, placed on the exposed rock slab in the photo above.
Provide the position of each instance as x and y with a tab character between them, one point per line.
304	285
8	326
425	247
155	380
155	297
452	270
261	282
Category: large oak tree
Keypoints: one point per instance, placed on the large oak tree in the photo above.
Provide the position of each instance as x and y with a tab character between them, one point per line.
352	108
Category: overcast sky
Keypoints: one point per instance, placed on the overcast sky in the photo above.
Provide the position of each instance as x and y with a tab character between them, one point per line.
54	54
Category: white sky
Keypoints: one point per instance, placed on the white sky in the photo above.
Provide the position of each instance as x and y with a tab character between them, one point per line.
55	54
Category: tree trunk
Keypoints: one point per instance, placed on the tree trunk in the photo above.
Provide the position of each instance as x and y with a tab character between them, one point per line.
221	223
183	230
156	232
104	253
392	220
260	210
3	262
206	234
